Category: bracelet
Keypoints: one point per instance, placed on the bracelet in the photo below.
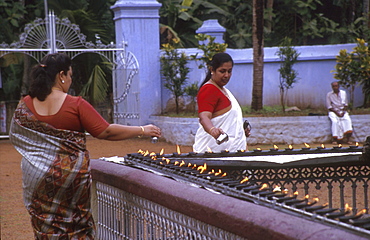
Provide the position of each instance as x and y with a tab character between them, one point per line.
210	130
142	129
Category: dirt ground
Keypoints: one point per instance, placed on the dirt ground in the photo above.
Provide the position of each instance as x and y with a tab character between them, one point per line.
14	220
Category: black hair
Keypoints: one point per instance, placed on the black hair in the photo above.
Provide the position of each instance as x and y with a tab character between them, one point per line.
43	75
217	60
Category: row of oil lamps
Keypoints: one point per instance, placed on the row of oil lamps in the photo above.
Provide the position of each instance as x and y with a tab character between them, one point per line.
277	194
275	149
307	147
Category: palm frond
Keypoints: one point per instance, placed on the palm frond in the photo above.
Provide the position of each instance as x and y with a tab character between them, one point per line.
95	90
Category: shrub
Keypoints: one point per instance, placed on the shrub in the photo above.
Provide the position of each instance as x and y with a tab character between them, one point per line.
174	69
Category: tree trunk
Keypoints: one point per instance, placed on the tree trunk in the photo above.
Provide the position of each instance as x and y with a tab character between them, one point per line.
177	104
352	93
257	92
366	16
269	6
282	99
25	77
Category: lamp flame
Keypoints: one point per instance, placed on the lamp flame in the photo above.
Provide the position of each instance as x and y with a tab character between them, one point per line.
360	213
182	163
290	146
202	168
264	186
244	180
161	152
277	189
356	144
322	145
178	149
276	147
307	145
209	149
347	208
218	173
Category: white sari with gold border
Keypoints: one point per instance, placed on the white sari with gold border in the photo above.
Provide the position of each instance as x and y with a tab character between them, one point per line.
231	123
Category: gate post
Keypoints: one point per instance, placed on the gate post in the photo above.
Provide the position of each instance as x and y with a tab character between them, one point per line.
137	25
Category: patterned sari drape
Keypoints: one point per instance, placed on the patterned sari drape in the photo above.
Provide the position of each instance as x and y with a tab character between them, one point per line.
56	177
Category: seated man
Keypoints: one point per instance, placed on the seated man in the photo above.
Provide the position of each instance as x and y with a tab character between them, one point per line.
336	102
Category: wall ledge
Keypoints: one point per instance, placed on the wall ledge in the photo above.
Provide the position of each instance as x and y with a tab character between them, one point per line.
243	218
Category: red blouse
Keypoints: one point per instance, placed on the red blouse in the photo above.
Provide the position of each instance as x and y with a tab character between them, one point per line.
211	99
76	114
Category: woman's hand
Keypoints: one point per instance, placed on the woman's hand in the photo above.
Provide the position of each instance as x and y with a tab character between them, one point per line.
215	132
205	120
151	131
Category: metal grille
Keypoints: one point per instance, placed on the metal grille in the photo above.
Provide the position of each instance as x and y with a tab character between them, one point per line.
335	176
52	34
122	215
347	182
266	172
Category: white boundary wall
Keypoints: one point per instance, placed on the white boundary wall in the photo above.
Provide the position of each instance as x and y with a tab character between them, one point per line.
315	65
267	130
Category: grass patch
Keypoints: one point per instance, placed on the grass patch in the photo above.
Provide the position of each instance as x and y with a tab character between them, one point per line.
277	111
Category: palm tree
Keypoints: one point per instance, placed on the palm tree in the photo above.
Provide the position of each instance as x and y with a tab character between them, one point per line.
258	53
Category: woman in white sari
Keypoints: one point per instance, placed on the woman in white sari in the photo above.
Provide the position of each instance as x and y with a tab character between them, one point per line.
218	110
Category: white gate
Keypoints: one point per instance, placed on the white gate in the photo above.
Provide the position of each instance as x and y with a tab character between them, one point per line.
52	35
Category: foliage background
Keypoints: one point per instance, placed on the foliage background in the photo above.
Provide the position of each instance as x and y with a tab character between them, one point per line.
306	22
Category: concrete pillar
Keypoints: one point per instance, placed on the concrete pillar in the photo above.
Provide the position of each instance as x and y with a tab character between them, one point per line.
137	24
213	28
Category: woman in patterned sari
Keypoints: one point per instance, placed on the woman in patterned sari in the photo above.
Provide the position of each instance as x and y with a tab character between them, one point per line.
48	129
218	110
